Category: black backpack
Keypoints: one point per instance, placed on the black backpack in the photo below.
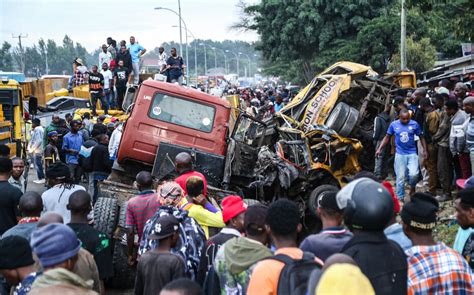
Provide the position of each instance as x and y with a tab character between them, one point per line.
294	276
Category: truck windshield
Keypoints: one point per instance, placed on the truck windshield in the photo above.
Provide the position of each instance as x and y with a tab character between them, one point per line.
182	112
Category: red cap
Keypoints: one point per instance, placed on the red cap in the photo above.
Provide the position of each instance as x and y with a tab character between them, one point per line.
231	207
396	203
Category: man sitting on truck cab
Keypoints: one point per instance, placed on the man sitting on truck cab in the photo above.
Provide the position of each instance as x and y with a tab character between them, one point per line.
184	167
199	207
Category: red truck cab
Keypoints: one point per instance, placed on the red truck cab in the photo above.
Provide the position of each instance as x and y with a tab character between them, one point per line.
167	119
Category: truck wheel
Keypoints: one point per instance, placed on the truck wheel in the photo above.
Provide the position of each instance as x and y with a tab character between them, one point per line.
105	215
350	123
318	193
338	116
124	274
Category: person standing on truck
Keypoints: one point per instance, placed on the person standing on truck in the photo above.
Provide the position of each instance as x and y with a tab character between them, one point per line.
96	89
108	85
406	157
136	52
162	59
80	72
121	76
105	56
184	166
72	146
176	67
35	148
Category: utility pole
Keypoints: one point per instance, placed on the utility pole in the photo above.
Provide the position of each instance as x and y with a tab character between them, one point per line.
180	30
403	37
22	54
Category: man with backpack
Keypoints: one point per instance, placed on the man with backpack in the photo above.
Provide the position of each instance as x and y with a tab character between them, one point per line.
368	208
288	271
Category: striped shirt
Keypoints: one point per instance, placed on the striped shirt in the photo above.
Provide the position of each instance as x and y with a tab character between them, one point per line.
437	269
141	208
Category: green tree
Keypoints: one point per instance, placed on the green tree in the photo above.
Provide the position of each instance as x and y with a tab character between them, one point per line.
421	56
6	59
302	29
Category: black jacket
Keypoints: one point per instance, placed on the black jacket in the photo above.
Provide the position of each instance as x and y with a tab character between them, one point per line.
381	260
381	123
100	159
127	59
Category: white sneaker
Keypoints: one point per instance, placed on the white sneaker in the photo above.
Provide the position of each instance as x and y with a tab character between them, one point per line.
39	181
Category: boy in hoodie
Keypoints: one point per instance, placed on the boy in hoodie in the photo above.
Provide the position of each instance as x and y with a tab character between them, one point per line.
233	213
236	259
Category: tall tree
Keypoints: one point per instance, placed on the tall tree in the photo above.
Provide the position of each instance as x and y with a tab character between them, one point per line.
6	59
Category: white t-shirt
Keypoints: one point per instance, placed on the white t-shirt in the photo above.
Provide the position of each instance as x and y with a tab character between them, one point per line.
56	199
162	60
107	77
104	57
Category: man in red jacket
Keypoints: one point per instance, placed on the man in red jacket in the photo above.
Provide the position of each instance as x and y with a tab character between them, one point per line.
184	167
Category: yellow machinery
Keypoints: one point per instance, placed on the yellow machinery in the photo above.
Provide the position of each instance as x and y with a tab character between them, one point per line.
12	125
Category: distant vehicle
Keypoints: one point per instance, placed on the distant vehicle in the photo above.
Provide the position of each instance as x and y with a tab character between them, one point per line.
62	103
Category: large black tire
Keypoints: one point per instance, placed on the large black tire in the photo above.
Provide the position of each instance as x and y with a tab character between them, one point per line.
338	116
105	215
350	123
316	194
124	275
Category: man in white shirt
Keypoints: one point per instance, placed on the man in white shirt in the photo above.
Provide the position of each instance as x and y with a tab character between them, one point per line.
162	58
108	85
35	148
105	56
56	198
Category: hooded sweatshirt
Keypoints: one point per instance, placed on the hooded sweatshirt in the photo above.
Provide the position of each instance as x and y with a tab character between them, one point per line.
61	281
235	262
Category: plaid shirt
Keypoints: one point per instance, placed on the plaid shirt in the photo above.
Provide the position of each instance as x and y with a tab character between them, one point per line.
438	269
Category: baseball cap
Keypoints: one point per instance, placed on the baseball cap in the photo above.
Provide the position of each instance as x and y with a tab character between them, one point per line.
465	183
164	227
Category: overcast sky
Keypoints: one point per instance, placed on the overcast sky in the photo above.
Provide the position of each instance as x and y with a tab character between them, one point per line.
90	22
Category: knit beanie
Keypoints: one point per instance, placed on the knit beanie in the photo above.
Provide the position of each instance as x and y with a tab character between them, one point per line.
15	252
54	244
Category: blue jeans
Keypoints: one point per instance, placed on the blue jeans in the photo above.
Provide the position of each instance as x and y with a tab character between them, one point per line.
403	164
109	97
38	162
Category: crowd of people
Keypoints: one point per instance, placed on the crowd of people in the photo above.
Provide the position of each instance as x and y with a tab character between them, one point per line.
119	67
375	239
181	240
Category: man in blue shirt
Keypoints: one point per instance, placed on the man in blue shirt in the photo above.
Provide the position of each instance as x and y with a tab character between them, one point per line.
406	157
72	143
136	51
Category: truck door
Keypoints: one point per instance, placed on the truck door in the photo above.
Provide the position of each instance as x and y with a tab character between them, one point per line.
242	151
